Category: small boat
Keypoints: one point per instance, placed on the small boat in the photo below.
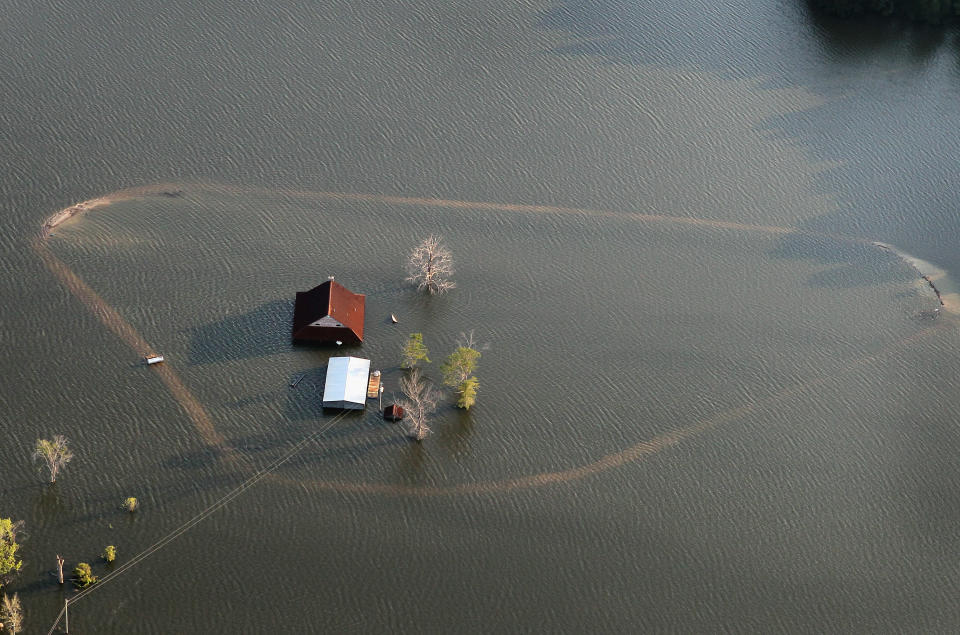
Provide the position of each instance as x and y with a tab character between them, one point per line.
155	359
393	318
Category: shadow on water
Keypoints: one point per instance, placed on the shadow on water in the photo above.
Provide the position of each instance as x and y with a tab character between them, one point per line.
852	264
790	43
258	333
887	121
455	431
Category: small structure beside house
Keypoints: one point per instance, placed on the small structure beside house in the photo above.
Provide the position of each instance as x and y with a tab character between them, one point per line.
373	386
346	383
328	313
393	412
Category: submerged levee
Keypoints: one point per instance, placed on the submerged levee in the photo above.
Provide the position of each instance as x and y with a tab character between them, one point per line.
943	286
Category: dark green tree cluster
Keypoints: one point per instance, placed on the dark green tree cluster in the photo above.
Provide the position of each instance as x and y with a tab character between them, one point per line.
930	11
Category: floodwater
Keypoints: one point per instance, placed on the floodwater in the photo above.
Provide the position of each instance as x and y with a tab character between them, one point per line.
708	401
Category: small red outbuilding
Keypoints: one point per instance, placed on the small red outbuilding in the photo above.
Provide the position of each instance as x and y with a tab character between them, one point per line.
393	412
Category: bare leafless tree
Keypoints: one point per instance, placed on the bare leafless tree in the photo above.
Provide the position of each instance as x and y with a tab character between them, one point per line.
419	401
430	266
468	339
53	454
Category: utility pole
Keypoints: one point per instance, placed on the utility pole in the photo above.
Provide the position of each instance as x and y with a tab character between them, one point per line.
66	613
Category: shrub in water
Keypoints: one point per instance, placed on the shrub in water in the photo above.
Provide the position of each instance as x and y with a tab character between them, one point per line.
131	504
83	575
110	553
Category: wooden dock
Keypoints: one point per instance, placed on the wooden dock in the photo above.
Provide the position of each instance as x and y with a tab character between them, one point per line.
373	385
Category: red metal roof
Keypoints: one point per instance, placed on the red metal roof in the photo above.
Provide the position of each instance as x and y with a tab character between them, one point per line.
342	309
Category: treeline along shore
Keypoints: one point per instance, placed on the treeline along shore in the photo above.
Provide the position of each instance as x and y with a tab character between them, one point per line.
929	11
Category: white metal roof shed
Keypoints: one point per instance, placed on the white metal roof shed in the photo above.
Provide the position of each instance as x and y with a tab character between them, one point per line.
346	383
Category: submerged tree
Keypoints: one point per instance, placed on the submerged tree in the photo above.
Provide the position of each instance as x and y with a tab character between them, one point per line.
468	393
459	366
11	615
458	372
418	402
53	454
83	575
414	351
430	266
9	564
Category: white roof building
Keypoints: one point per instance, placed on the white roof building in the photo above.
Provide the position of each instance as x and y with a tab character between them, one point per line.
346	383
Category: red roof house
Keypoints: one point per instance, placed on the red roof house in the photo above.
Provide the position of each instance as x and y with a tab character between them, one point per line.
328	313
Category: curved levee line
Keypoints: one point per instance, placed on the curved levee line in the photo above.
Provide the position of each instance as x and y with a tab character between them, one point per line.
171	189
204	424
416	201
943	287
122	329
632	454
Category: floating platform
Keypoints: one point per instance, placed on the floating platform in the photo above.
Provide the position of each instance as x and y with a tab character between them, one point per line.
373	385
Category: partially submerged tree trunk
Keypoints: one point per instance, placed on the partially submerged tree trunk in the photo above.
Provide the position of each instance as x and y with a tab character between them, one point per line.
60	562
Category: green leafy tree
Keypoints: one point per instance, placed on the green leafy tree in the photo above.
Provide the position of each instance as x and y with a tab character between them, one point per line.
83	575
9	564
110	553
458	374
414	351
468	393
53	454
11	615
131	504
459	366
